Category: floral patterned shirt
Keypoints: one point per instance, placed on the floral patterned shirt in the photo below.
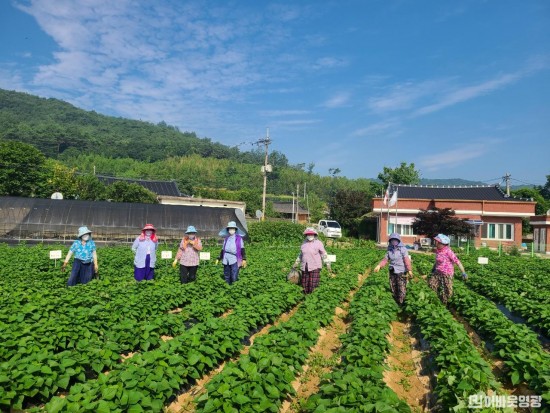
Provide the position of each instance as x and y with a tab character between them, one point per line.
445	259
84	253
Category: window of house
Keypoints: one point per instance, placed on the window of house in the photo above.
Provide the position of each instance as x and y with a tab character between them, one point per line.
401	229
498	231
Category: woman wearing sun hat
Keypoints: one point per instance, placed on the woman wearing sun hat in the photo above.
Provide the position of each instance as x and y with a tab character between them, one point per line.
232	255
188	255
311	257
145	250
441	280
400	267
84	256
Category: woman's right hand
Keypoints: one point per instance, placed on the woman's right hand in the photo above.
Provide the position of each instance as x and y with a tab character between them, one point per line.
377	268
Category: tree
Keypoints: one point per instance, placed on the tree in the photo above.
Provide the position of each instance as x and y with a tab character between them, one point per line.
545	190
346	205
121	191
433	221
22	168
57	178
403	174
542	204
89	188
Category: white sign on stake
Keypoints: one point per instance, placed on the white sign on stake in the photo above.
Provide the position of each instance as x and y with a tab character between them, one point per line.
166	255
482	260
331	258
55	255
205	256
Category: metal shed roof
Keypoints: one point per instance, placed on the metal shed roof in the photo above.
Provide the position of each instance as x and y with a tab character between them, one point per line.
166	188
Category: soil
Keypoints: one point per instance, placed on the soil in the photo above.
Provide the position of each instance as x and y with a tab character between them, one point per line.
184	403
406	375
322	357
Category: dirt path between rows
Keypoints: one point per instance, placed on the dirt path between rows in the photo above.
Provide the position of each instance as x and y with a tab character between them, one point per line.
406	375
185	401
323	356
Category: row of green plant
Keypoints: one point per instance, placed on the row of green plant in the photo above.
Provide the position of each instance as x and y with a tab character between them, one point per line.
516	344
518	283
462	370
146	381
501	290
83	331
261	380
356	384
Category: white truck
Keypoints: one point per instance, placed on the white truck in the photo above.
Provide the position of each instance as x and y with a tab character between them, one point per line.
330	229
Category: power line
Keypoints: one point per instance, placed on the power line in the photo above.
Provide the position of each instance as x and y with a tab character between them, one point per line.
526	183
494	179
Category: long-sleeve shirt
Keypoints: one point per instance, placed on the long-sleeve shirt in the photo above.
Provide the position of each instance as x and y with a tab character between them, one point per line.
142	248
230	253
188	255
312	254
399	259
445	259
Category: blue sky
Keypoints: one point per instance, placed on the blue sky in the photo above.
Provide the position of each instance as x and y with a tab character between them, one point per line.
460	88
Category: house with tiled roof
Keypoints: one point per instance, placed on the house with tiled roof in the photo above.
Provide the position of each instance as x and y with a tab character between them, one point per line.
168	193
495	216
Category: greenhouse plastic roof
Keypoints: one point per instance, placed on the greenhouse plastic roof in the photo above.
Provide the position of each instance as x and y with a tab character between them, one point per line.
35	218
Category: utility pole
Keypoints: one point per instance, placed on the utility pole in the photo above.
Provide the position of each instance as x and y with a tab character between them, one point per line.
297	201
265	169
507	180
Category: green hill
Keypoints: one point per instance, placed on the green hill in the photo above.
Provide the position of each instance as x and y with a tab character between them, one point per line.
58	128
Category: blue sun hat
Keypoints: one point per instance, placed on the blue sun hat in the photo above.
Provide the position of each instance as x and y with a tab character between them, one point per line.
83	231
191	230
444	239
231	224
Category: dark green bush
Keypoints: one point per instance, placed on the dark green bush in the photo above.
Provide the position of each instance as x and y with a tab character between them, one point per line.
276	232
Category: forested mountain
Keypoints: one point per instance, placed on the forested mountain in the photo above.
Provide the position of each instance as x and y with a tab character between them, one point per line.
91	142
58	128
136	149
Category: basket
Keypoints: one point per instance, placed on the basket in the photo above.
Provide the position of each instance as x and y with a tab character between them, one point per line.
294	276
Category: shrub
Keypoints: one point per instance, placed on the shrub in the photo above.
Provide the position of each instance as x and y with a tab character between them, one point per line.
514	251
275	232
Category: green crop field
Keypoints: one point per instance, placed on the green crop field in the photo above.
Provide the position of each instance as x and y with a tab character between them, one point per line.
115	345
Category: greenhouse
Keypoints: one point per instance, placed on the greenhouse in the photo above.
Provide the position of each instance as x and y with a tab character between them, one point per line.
36	219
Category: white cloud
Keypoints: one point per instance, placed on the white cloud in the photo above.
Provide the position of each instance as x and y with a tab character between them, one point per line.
458	156
155	50
329	63
404	96
387	127
10	79
426	97
467	93
277	113
338	100
295	122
